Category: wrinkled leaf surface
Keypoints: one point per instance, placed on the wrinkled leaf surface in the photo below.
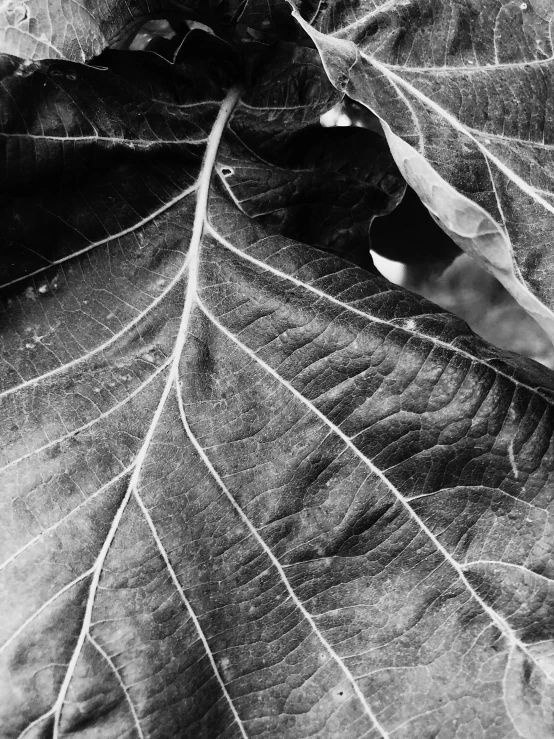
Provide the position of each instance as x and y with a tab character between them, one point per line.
465	93
249	489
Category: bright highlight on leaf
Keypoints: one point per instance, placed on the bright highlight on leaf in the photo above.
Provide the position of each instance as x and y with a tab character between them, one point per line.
248	487
470	92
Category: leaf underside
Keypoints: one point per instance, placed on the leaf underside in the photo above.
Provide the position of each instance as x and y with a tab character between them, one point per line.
248	487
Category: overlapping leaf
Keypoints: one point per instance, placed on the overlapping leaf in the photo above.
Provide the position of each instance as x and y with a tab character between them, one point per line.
78	31
466	91
52	29
248	488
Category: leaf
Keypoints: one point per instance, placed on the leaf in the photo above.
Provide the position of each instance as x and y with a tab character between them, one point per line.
35	30
95	128
78	31
91	155
464	93
248	488
410	236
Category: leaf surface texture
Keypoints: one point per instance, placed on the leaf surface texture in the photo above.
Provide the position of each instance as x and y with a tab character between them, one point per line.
249	488
465	94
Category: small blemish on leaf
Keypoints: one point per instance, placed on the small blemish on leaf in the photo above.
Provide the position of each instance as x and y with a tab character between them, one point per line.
16	13
527	670
225	667
342	81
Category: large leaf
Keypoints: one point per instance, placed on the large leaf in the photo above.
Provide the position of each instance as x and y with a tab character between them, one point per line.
78	31
465	93
248	488
53	29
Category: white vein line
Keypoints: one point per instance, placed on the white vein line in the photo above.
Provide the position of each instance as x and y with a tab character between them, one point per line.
44	606
191	613
58	523
394	668
112	237
39	41
229	190
271	107
498	620
197	232
94	421
368	316
36	722
499	563
199	225
413	114
108	659
275	562
380	10
508	703
199	219
259	159
138	143
99	564
470	489
540	642
503	217
472	69
101	347
455	123
511	140
413	718
185	106
96	573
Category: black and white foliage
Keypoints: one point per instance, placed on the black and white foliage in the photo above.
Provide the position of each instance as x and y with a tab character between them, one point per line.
249	488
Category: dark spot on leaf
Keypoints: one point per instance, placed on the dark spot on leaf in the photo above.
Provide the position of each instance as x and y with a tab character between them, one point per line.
527	671
342	81
496	643
205	368
355	538
16	14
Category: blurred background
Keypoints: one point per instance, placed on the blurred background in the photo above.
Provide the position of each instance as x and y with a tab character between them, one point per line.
471	293
417	250
422	258
419	255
